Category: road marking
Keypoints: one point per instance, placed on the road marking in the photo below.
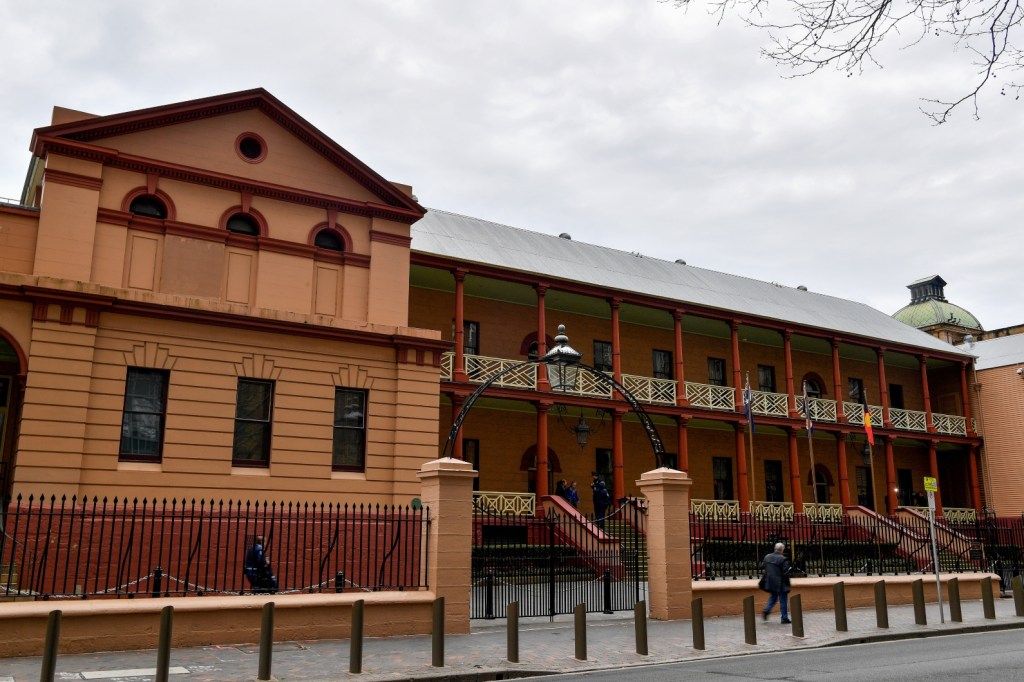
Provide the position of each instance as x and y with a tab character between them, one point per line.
137	672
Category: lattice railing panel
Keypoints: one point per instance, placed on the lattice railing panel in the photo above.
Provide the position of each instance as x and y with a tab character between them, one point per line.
650	390
480	369
908	420
822	409
772	404
447	360
711	397
950	423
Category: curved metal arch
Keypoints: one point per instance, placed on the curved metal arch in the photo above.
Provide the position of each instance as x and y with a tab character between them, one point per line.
634	405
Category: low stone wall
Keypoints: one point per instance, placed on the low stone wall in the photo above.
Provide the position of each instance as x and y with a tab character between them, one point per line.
725	597
126	624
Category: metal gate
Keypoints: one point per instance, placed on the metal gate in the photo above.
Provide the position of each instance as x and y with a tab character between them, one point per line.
552	560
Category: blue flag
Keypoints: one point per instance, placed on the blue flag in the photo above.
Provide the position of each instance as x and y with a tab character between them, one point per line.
748	402
808	422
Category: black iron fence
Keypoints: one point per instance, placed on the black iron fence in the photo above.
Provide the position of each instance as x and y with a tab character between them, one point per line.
553	560
66	547
858	544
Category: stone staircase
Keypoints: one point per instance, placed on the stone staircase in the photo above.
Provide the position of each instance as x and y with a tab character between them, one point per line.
632	548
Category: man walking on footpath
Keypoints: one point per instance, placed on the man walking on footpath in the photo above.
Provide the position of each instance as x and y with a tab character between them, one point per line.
776	582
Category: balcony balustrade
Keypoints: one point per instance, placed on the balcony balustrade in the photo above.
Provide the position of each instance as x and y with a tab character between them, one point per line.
822	409
824	513
772	511
711	397
505	503
715	510
908	420
770	404
653	391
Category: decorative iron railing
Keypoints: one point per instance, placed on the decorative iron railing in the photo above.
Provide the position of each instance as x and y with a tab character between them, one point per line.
908	420
505	503
950	424
772	511
824	513
771	404
711	397
650	390
959	515
70	548
715	510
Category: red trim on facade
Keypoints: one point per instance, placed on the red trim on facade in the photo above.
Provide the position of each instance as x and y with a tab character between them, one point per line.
41	311
59	177
126	203
346	238
260	99
26	211
67	314
258	138
388	238
190	231
261	222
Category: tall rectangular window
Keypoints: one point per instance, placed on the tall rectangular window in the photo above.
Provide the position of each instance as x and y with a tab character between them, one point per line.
145	409
662	364
470	337
603	356
349	452
773	488
722	470
896	396
716	371
253	410
766	378
856	389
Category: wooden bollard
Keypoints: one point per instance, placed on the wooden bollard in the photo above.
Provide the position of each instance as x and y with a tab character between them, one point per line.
839	600
640	627
796	613
917	589
512	631
437	634
355	644
48	668
697	614
749	624
955	613
987	600
580	621
163	648
881	605
266	641
1018	596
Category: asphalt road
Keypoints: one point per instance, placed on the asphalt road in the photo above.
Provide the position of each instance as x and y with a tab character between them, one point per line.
981	657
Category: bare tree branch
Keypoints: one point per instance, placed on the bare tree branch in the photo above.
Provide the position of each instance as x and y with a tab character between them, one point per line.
809	35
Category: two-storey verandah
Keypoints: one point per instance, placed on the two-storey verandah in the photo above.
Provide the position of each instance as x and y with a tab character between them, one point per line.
497	317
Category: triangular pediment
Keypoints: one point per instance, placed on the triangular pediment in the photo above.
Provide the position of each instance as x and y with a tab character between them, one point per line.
202	134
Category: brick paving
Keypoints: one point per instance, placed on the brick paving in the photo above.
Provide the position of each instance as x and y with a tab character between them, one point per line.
544	647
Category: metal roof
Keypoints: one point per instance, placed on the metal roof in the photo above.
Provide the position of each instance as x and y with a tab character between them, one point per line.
474	240
999	352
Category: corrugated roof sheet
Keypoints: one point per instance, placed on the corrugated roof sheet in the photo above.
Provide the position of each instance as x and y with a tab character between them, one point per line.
479	241
999	352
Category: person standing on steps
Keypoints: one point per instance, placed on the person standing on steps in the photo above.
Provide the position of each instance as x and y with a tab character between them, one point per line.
776	582
602	500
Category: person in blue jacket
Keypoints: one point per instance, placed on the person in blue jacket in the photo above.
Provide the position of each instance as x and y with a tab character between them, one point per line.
257	568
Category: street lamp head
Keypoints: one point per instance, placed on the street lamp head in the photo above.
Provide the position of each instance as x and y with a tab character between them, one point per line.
561	362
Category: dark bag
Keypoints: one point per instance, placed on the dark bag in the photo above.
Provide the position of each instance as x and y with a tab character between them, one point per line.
762	584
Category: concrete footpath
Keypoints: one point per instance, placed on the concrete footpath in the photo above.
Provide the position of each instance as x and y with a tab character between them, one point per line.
545	647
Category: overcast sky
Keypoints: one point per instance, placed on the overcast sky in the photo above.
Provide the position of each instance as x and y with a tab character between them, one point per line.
626	123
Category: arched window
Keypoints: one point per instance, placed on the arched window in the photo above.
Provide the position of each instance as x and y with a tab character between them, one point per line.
813	388
242	223
330	240
149	206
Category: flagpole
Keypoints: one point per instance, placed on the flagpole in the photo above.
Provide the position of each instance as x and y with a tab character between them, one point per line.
750	438
810	448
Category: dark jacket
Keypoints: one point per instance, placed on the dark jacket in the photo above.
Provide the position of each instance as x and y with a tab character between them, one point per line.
776	571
